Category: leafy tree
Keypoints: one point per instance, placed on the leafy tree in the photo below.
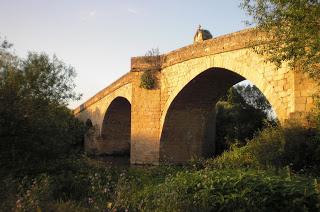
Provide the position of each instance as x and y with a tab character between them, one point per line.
36	127
293	27
240	114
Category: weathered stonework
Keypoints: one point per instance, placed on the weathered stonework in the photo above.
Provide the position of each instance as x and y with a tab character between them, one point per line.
173	121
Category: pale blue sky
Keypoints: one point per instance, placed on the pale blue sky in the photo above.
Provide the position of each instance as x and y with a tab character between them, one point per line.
98	37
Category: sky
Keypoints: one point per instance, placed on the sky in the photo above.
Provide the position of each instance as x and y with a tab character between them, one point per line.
98	37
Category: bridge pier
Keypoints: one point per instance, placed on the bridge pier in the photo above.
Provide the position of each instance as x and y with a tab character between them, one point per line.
145	124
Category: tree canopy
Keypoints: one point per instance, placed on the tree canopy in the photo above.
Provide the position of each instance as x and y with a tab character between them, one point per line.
242	112
293	27
35	124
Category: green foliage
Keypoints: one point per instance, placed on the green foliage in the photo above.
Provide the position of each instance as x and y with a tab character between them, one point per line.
295	147
34	194
268	147
140	179
226	190
265	149
87	185
235	112
147	80
36	127
79	184
236	157
293	29
302	149
74	183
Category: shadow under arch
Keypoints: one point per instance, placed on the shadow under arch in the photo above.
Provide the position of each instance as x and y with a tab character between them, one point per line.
189	125
116	128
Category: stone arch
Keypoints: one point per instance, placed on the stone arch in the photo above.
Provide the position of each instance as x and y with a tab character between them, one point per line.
96	111
276	85
105	106
184	121
116	127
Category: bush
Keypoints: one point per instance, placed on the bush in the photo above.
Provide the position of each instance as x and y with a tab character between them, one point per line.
265	149
73	183
140	179
34	194
268	147
36	127
236	157
226	190
148	80
302	149
296	147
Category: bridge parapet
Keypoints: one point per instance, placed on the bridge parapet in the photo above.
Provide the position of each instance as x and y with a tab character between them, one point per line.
224	43
125	79
144	63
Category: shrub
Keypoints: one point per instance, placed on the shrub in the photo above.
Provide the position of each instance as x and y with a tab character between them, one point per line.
227	190
34	194
137	183
268	147
296	146
77	183
302	149
36	127
265	149
236	157
147	80
83	180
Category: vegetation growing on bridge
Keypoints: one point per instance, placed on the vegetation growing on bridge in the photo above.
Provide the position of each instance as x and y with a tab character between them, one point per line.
148	78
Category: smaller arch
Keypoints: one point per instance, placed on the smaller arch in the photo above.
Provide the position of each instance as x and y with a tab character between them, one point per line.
116	128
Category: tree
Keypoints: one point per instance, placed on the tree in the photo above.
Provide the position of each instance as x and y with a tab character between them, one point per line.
239	115
293	27
36	127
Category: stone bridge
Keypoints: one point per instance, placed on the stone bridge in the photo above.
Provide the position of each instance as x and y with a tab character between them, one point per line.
175	120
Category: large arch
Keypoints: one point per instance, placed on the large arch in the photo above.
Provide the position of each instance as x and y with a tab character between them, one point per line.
116	128
189	124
